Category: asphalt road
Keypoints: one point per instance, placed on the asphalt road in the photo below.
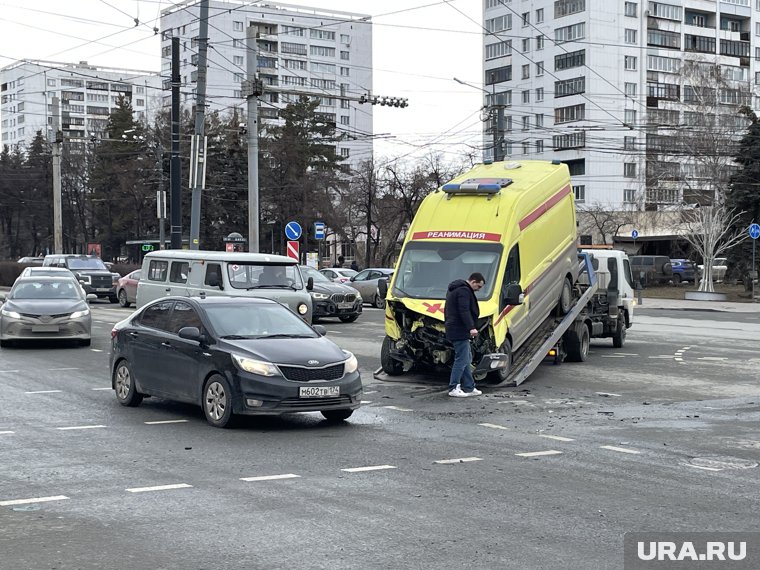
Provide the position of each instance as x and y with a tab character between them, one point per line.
658	436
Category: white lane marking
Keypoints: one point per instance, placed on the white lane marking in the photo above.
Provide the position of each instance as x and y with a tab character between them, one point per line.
109	388
96	350
9	371
678	359
612	356
271	477
555	437
626	354
398	409
44	392
701	467
159	488
370	468
365	402
58	369
715	358
6	432
493	426
620	449
460	460
517	402
610	394
370	391
79	427
166	422
539	453
662	357
32	500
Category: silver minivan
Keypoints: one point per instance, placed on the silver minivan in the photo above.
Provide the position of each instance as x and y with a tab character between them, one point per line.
233	274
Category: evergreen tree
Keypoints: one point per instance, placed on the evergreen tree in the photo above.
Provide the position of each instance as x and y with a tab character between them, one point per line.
37	194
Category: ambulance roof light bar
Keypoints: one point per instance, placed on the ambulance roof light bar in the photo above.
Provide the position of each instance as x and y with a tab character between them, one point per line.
477	186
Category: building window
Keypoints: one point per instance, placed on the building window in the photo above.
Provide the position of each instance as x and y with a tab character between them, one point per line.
344	55
569	60
526	147
630	89
568	87
580	193
539	15
569	114
526	19
345	39
345	153
570	33
629	143
630	36
51	82
539	146
499	24
629	170
526	71
526	45
539	68
344	120
238	59
567	7
539	94
669	11
540	42
238	44
319	34
344	72
630	62
631	9
630	116
498	50
629	196
322	51
237	77
526	96
526	123
539	120
237	26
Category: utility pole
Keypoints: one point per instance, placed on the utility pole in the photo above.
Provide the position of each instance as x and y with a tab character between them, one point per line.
252	90
57	216
175	180
198	152
494	114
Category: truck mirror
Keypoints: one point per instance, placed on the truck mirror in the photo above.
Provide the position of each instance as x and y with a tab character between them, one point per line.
382	287
514	295
594	263
310	284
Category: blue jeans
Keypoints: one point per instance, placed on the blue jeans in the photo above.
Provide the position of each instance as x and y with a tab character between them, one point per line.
460	371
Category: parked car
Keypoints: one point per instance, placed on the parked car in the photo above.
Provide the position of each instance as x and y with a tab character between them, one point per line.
31	260
366	283
330	299
683	270
651	269
232	355
126	288
45	308
338	274
719	269
90	271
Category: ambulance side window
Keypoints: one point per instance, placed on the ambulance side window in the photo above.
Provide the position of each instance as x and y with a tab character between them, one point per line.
511	273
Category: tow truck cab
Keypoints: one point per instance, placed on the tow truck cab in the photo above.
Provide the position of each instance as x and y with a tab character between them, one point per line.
514	222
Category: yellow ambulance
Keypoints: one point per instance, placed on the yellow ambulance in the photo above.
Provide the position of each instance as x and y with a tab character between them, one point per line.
514	222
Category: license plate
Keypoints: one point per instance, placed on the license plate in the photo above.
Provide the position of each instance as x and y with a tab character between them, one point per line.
103	289
318	391
345	305
44	328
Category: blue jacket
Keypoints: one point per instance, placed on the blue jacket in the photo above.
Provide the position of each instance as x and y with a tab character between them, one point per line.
461	310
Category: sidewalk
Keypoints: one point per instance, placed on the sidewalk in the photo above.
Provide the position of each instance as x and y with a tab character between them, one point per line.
722	306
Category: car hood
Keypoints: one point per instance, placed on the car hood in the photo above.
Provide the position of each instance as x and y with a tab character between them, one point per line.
332	288
289	351
45	306
91	272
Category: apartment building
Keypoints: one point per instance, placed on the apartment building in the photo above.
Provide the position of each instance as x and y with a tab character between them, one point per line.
609	87
301	51
87	94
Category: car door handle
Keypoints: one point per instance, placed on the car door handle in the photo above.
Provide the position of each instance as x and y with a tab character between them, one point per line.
166	344
168	289
133	334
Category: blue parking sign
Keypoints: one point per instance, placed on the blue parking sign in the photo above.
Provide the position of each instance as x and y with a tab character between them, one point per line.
319	230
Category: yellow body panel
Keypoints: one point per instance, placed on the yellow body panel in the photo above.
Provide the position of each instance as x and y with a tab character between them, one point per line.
536	210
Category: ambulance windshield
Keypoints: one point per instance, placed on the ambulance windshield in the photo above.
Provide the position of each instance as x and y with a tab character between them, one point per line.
427	268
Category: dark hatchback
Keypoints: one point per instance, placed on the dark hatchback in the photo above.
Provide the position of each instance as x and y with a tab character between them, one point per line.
232	355
330	299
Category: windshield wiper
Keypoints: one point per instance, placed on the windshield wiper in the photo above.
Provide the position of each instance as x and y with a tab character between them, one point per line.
399	289
236	337
283	335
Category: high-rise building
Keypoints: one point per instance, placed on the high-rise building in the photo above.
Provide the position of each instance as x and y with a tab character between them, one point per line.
614	89
87	94
300	51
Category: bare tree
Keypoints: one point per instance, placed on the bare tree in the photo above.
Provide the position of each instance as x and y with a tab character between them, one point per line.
598	220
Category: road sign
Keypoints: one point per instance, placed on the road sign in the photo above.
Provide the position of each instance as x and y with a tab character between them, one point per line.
634	234
293	250
754	231
293	230
319	230
146	247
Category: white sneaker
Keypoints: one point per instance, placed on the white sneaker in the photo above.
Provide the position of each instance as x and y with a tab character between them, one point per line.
458	393
475	392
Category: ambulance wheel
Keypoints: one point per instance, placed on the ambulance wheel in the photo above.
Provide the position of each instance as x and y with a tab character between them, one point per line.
618	337
577	341
501	374
391	366
565	297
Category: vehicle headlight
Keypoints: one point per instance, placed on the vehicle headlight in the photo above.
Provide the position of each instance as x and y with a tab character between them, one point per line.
255	366
79	314
303	309
10	314
351	363
359	297
115	277
85	279
318	296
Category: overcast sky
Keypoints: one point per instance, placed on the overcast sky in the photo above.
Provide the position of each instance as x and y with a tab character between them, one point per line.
419	46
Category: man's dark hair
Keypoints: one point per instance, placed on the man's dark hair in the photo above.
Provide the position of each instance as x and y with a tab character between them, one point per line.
477	278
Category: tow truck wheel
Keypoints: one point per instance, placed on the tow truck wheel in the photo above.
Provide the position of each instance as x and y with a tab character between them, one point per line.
577	343
501	374
391	366
618	337
565	297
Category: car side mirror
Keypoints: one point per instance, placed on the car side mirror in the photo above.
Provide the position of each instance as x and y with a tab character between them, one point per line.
310	284
382	287
352	278
91	297
191	333
320	330
514	295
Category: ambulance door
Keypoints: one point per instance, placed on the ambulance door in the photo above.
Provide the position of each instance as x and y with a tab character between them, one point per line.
516	315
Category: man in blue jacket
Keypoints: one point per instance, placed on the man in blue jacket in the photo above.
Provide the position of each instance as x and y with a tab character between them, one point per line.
460	314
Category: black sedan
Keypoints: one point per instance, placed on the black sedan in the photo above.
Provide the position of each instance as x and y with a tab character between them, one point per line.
329	299
232	356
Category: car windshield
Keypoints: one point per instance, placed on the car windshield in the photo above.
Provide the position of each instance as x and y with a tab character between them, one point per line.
249	320
264	276
314	274
85	263
347	272
51	289
426	268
